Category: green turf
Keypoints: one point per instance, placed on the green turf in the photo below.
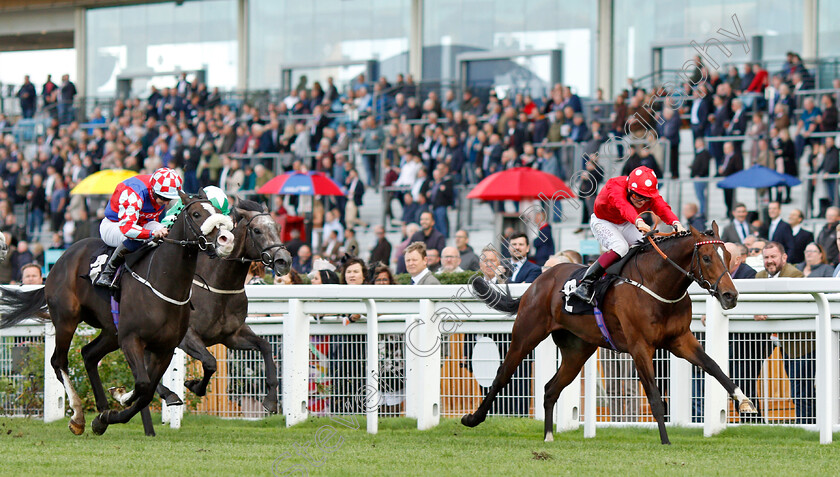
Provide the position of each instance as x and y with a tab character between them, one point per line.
211	446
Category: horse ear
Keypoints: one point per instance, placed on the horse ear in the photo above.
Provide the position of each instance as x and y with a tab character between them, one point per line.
184	196
715	228
202	194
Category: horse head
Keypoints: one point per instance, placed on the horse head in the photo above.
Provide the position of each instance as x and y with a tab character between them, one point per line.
709	266
205	224
262	236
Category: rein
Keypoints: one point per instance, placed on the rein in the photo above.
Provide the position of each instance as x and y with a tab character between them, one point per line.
695	264
159	294
265	257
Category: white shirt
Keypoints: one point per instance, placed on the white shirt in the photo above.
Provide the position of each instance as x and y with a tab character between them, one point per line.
517	267
419	276
796	230
408	173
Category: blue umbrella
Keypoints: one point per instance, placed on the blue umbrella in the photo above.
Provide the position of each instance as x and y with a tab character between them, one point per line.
758	177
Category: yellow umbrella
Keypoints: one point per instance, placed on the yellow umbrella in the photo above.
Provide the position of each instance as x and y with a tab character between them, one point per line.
102	182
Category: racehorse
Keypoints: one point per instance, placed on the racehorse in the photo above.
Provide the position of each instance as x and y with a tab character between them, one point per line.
155	308
653	313
221	305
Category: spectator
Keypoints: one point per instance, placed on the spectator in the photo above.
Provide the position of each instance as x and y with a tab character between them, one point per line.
302	263
67	93
732	163
700	170
37	201
351	245
738	229
293	245
442	196
737	256
427	234
829	168
801	237
408	231
815	264
827	238
433	260
523	271
381	252
355	191
778	230
544	242
451	260
323	273
415	264
670	129
469	260
28	98
31	274
22	257
256	274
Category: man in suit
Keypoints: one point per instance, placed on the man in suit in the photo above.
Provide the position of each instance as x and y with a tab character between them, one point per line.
523	271
719	117
469	260
827	237
778	230
801	237
316	127
442	196
28	98
428	234
737	256
738	229
738	124
415	265
732	163
382	250
693	217
776	263
670	130
270	139
701	106
355	192
544	242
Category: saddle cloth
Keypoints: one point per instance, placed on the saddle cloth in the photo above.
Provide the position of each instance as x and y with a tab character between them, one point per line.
574	305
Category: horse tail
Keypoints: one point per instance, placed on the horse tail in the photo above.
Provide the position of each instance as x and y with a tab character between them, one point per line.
18	305
493	298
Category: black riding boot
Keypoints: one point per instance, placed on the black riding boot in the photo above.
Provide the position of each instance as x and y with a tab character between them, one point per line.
585	289
106	277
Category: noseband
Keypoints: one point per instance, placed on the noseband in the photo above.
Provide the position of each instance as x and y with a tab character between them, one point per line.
266	257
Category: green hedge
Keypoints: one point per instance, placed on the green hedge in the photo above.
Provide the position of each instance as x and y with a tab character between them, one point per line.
459	278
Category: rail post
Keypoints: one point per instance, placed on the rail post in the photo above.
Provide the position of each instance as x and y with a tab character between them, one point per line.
295	364
715	403
53	390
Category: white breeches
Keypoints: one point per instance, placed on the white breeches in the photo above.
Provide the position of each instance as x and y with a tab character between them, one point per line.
613	236
112	235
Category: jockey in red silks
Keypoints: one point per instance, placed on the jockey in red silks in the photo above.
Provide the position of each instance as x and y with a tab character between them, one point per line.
616	222
133	215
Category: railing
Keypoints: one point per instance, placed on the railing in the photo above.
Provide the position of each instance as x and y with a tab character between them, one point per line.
330	368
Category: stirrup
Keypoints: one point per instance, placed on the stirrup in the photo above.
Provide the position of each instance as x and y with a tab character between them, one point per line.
585	293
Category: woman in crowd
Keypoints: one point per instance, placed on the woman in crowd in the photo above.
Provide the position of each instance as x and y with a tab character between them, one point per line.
815	264
348	352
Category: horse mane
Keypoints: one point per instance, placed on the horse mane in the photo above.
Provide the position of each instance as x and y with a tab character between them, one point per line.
250	205
668	239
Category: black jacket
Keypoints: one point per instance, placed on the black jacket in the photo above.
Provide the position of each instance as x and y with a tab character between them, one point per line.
700	165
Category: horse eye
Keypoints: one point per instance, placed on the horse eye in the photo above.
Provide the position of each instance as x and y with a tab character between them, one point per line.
196	215
707	259
257	231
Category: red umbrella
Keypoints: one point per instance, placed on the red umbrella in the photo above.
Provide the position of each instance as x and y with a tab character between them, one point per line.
296	183
521	183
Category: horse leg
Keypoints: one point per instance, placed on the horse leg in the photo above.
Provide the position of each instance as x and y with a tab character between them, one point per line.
642	355
92	353
146	380
687	347
63	337
194	346
574	353
520	346
246	339
168	396
133	350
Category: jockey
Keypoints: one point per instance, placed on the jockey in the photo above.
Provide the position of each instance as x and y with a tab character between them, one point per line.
132	216
616	222
216	196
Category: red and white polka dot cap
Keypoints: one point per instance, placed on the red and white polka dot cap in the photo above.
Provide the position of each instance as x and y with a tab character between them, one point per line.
166	183
642	181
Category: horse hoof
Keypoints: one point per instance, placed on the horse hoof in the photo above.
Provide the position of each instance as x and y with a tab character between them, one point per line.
151	434
97	426
549	437
174	400
747	407
470	420
192	385
270	406
77	428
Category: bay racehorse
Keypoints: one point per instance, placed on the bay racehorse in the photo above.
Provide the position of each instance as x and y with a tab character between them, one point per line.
639	320
221	305
155	308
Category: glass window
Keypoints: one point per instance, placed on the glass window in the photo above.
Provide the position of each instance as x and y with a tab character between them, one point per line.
285	33
161	38
452	27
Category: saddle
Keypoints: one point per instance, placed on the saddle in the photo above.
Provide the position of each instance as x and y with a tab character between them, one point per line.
574	305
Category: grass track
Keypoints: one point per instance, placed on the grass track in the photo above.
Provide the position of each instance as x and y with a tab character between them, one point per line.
500	446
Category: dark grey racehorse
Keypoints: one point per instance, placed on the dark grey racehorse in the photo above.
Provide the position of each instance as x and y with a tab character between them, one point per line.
221	305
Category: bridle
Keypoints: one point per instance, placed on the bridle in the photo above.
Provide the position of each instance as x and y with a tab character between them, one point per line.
695	262
266	256
201	240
